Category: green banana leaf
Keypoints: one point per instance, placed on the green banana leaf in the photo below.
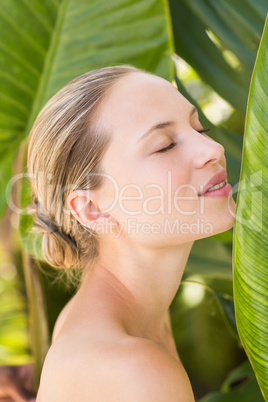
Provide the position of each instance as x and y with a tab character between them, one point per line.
250	253
237	25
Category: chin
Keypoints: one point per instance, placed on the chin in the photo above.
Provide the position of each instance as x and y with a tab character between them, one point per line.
226	223
226	219
217	225
226	226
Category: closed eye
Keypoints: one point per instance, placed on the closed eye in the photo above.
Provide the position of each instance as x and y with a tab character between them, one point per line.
204	130
172	145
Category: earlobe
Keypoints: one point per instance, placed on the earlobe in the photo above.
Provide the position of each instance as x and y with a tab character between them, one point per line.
98	220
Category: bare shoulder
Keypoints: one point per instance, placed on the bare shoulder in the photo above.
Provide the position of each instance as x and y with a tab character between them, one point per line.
133	369
146	372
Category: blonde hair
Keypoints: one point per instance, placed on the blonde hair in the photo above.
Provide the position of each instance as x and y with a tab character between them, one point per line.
64	151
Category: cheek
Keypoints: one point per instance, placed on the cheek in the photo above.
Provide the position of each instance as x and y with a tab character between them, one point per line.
148	188
162	184
169	194
182	192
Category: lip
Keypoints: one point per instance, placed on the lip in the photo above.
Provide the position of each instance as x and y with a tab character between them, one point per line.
216	179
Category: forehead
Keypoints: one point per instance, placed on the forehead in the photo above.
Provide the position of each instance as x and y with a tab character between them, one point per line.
137	101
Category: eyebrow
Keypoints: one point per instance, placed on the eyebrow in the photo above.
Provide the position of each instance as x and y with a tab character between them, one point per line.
164	124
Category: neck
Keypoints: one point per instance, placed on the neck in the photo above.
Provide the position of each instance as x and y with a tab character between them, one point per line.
140	282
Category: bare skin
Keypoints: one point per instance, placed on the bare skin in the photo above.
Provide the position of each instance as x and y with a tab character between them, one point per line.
101	331
113	341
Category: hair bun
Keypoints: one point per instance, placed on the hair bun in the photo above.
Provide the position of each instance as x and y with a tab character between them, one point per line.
59	249
42	223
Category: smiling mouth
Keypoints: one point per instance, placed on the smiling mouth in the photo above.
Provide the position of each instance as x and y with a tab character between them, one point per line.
217	186
216	182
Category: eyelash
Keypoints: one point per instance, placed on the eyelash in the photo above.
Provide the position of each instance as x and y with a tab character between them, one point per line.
172	145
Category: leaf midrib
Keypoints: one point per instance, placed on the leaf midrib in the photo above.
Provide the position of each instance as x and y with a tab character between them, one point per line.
38	102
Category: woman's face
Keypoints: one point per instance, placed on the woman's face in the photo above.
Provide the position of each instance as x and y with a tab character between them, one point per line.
156	196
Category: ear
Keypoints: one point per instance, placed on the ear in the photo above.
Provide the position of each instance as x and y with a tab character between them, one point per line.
85	210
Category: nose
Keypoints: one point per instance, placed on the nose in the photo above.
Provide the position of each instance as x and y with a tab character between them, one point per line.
206	151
